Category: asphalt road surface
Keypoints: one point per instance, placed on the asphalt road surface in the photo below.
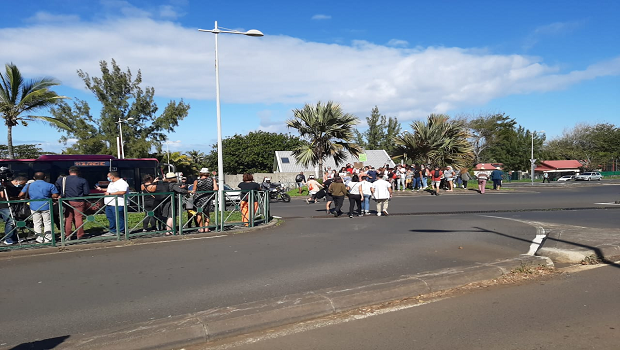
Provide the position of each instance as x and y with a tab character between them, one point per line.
572	311
68	293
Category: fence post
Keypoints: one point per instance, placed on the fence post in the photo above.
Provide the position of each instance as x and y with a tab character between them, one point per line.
61	217
125	220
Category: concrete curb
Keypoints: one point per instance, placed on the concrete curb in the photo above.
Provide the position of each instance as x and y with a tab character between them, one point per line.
569	256
219	323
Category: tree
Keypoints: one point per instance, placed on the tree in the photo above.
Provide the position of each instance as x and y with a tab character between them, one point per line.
198	160
380	133
329	133
436	141
122	99
252	153
28	151
19	98
595	145
182	163
485	131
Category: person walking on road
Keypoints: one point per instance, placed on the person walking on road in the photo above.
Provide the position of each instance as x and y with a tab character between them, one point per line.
496	176
73	186
483	176
40	189
382	192
338	190
328	197
354	187
313	187
366	190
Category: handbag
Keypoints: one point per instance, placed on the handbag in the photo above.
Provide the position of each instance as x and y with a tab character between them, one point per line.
188	202
21	210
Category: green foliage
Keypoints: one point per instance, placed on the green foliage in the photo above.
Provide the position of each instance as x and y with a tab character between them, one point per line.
329	132
513	146
121	98
181	162
594	144
436	141
380	134
19	98
486	131
252	153
22	151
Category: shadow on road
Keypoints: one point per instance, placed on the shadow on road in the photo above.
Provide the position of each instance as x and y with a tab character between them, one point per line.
597	251
44	344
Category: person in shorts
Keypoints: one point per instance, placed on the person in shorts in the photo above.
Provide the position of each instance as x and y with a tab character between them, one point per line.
313	188
436	176
300	180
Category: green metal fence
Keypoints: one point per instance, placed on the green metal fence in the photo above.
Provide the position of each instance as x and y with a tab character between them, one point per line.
134	215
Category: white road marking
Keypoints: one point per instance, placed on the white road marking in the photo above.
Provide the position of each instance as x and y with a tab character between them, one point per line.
540	232
610	203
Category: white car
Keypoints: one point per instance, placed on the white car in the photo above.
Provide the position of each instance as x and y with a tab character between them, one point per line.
566	178
589	176
231	194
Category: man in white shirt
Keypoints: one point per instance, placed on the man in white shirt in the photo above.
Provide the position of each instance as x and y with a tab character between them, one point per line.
115	203
382	192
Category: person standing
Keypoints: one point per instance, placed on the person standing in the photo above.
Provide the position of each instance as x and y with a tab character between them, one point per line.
366	186
205	184
148	187
382	192
436	176
417	178
328	197
424	174
372	174
449	176
496	176
300	180
115	203
246	186
40	189
354	187
10	191
73	186
546	177
400	173
483	176
338	190
465	177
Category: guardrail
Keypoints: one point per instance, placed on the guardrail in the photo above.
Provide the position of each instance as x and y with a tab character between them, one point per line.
98	217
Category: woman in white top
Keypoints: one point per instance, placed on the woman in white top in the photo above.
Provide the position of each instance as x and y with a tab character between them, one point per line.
355	195
365	190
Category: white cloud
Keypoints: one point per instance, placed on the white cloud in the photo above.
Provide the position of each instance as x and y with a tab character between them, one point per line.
320	17
46	17
550	30
397	42
178	62
168	12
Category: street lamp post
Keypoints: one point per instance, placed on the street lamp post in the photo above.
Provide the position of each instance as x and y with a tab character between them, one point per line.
121	149
532	160
220	159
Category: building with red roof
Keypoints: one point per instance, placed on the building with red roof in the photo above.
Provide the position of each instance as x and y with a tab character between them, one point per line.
559	166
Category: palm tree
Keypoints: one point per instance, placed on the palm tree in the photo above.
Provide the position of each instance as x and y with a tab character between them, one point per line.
18	96
329	132
437	141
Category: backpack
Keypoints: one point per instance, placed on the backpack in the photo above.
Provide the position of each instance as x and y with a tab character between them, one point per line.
299	178
161	187
436	174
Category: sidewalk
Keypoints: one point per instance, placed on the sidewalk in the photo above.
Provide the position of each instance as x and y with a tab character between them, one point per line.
572	244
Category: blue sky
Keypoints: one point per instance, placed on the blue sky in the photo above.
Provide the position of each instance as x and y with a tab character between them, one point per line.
548	64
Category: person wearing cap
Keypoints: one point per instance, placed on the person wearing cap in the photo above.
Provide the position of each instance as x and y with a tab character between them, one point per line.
115	203
313	187
205	185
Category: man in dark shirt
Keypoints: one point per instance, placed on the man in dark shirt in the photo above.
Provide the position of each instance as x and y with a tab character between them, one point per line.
70	187
10	191
372	175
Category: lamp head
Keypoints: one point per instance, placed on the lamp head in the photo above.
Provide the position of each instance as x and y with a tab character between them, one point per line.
253	32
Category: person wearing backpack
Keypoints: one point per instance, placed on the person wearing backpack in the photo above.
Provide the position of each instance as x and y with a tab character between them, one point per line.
436	176
300	179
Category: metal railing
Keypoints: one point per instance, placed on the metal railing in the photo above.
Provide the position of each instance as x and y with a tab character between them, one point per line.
98	217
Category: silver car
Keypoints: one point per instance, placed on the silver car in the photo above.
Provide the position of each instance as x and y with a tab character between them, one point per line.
589	176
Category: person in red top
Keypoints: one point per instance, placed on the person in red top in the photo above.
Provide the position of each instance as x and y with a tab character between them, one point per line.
436	176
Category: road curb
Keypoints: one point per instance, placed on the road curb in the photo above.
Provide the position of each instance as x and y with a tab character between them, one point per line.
570	256
225	322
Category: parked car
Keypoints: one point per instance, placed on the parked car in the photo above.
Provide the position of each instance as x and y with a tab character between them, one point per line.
589	176
566	178
231	195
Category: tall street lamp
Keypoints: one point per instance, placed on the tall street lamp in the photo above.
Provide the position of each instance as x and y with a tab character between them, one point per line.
121	148
220	159
532	160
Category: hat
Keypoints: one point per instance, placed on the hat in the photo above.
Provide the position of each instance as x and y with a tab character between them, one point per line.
170	175
204	170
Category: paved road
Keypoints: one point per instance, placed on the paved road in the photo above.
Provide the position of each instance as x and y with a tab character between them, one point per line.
582	195
572	311
68	293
